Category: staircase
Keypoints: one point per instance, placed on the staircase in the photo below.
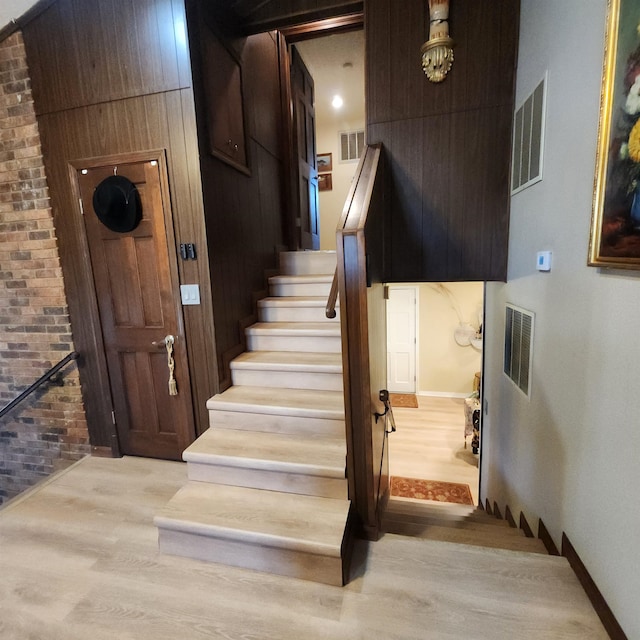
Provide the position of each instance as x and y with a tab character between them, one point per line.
266	483
461	524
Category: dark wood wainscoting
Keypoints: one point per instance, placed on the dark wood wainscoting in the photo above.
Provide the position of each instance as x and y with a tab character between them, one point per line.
244	207
112	77
448	144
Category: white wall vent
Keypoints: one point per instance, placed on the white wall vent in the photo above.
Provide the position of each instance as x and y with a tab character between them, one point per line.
351	145
518	347
528	139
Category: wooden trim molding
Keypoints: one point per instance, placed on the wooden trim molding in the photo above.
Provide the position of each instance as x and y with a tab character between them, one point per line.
326	27
301	19
508	516
524	525
496	511
611	625
547	540
102	452
18	23
487	507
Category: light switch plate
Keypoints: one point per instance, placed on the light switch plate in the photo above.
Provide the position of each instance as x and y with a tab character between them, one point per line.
190	294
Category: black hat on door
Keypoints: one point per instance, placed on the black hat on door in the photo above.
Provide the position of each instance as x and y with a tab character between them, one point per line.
116	202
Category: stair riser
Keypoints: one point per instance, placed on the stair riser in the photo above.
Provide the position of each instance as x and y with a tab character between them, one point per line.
282	289
295	564
294	425
308	344
295	314
287	379
306	263
269	480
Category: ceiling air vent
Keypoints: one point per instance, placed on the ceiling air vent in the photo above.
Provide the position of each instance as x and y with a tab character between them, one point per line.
528	137
351	145
518	347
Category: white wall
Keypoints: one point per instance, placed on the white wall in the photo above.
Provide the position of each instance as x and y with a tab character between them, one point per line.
444	367
331	202
571	454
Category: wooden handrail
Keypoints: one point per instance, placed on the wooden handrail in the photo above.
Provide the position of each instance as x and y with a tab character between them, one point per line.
74	355
359	246
330	311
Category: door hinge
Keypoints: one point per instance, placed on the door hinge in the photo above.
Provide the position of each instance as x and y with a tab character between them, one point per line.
113	417
81	206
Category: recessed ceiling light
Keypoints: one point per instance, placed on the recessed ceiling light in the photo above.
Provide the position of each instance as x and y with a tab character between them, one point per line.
337	102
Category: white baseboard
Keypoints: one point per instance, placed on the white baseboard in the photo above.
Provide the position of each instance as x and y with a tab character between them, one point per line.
443	394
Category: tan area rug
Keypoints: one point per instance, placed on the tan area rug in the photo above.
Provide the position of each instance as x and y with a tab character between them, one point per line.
405	400
431	490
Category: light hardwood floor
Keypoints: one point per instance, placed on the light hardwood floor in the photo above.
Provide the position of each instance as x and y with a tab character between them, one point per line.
79	560
429	443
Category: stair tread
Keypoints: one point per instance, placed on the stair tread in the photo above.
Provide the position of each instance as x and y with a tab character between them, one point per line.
269	518
294	301
295	328
467	522
498	539
268	451
425	509
289	361
426	506
301	402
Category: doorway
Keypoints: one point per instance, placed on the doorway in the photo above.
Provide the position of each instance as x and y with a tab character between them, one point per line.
430	442
402	339
335	67
129	227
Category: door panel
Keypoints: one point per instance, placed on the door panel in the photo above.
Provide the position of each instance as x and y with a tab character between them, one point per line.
302	90
401	340
138	297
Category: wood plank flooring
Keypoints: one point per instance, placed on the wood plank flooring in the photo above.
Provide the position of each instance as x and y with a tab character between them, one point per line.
79	559
429	443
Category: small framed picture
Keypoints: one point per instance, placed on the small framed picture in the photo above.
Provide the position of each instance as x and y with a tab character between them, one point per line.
324	182
324	162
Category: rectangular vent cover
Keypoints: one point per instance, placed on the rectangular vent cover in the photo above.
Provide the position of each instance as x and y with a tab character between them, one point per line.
518	347
351	145
528	138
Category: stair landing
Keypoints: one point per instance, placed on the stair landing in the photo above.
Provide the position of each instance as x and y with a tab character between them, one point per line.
292	535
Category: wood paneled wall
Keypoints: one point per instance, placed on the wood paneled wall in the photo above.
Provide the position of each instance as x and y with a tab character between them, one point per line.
112	77
244	211
448	144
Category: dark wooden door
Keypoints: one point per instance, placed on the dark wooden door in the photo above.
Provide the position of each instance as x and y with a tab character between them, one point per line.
304	134
138	298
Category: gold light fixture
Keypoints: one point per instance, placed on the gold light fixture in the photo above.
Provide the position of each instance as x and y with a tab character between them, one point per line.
437	51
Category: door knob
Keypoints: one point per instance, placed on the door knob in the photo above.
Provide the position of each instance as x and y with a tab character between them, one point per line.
164	342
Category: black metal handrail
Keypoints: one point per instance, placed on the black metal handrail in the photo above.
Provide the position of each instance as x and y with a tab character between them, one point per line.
74	355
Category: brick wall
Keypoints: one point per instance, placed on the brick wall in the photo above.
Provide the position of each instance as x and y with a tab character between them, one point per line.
49	429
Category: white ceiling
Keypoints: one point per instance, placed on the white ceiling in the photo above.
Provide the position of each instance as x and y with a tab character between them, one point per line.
12	9
325	58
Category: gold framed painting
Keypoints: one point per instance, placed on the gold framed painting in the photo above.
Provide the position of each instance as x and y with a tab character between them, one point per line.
615	222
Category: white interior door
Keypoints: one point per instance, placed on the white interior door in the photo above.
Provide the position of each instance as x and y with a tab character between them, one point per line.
401	339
